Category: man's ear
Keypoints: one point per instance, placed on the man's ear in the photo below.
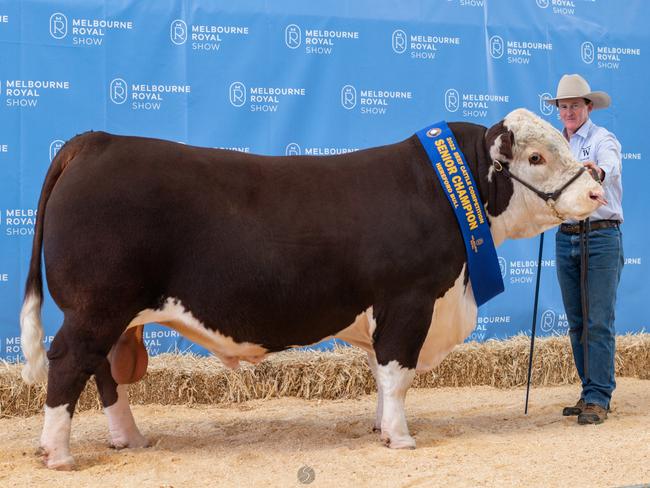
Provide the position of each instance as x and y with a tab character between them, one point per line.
499	142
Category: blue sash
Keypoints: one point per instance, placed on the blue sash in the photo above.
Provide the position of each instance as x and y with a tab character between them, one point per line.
456	179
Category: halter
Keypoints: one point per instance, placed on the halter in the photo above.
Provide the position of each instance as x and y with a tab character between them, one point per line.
549	197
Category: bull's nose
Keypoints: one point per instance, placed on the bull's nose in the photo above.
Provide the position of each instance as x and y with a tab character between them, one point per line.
599	196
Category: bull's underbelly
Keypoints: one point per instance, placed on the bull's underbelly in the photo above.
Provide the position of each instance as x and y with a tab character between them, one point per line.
174	315
453	319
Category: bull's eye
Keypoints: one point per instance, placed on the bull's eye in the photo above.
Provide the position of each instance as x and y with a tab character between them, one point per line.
536	158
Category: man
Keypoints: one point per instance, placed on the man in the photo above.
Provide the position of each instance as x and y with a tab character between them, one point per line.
599	150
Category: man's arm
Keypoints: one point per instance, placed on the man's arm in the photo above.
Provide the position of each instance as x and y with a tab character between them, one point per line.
608	158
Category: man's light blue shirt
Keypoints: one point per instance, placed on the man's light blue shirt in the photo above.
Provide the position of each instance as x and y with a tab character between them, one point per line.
597	144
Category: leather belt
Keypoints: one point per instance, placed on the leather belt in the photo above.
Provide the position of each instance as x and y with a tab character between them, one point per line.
594	225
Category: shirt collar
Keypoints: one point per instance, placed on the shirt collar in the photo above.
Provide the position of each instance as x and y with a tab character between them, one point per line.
583	131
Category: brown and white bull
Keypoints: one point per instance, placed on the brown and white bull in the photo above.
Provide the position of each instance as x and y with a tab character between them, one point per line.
247	255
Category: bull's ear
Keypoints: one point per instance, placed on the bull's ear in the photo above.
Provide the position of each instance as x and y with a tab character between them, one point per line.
499	141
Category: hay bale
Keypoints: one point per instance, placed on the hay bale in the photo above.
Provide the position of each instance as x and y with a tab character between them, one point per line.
342	373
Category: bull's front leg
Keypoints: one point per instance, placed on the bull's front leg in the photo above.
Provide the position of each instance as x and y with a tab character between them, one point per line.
402	325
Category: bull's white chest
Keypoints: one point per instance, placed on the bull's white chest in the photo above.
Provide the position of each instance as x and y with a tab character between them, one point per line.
453	320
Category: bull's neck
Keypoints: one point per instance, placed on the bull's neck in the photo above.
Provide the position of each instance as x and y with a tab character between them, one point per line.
495	193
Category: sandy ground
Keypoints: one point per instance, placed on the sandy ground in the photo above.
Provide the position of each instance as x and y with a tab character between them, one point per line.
466	437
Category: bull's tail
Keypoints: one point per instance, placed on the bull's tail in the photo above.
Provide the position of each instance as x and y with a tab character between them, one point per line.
31	327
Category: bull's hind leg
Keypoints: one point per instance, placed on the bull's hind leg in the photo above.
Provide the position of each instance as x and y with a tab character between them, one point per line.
402	326
75	354
115	399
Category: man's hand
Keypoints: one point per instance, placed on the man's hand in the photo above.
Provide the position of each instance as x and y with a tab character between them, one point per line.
594	167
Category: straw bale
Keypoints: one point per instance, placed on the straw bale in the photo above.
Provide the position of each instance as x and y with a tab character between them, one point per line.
340	374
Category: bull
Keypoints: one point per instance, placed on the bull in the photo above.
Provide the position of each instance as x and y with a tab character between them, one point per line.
247	255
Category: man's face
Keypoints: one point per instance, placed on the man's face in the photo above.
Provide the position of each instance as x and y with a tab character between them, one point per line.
574	112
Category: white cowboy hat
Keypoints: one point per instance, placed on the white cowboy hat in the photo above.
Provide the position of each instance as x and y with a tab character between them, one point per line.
575	86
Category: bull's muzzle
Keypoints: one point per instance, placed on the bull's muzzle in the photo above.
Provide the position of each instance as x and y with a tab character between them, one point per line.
599	196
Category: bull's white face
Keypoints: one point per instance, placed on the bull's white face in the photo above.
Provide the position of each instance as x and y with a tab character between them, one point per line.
541	157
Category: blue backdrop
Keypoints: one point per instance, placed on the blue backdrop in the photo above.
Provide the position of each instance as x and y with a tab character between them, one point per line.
301	77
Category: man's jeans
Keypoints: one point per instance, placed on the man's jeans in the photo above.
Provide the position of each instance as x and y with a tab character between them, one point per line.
605	265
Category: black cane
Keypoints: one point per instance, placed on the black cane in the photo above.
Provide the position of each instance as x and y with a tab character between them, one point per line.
584	293
532	333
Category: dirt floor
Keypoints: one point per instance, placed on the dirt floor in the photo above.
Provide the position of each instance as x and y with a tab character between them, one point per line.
466	437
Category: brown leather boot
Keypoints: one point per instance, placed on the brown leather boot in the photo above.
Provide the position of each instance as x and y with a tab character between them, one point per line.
592	414
575	410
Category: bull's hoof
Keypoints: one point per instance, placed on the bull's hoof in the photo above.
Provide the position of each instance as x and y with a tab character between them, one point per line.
406	442
60	463
376	429
63	464
136	441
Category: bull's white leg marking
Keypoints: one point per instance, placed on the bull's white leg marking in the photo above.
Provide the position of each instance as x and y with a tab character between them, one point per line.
121	425
395	381
55	439
175	315
31	341
372	362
